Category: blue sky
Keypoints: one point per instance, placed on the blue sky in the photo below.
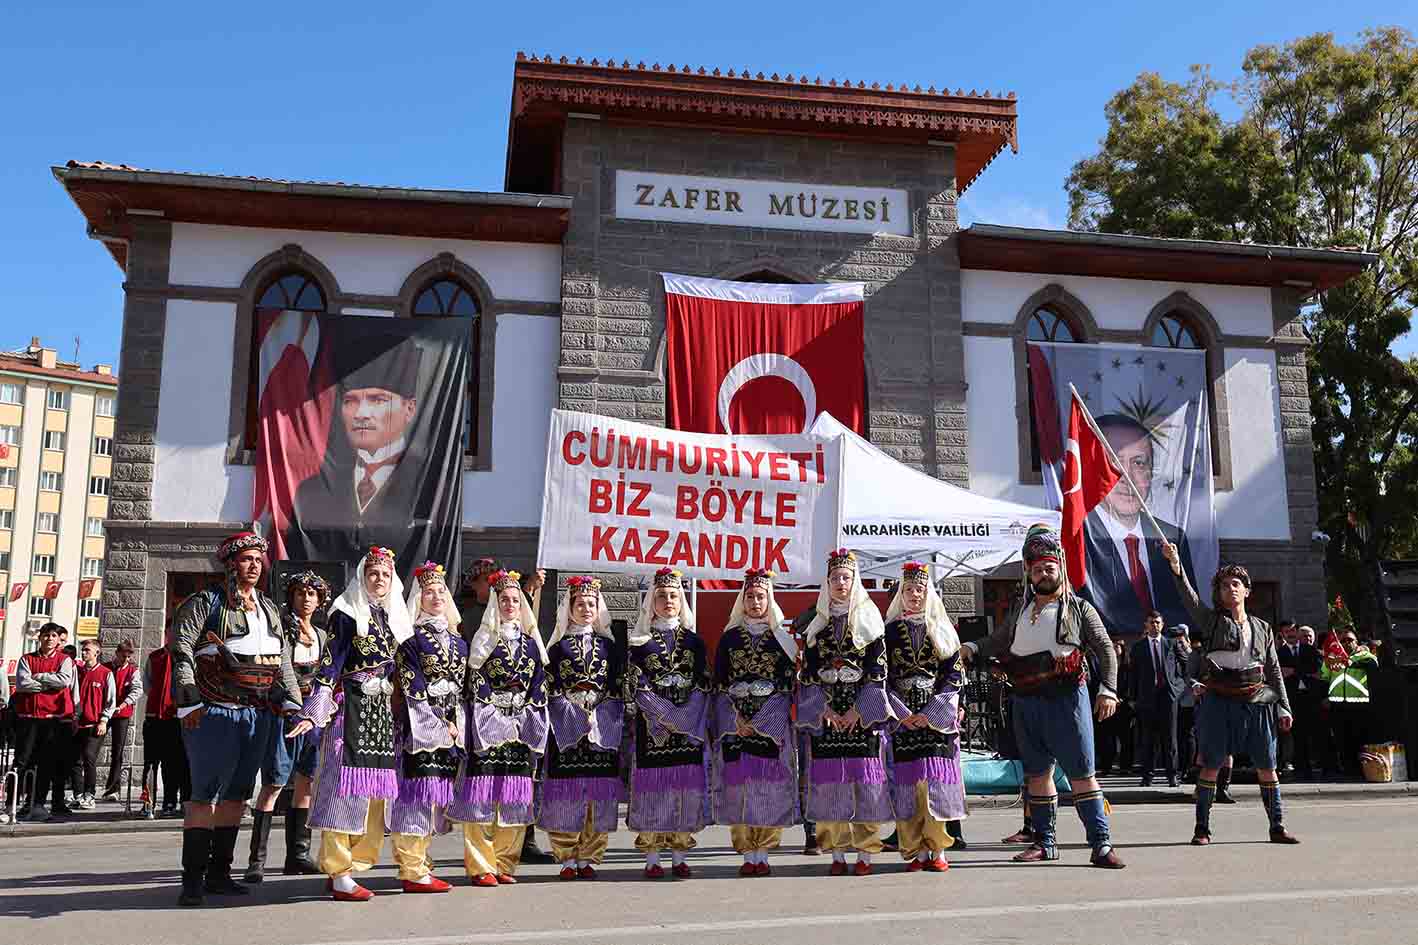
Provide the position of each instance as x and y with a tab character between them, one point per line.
417	94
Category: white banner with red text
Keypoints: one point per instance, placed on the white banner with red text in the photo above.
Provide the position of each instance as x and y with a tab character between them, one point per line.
627	497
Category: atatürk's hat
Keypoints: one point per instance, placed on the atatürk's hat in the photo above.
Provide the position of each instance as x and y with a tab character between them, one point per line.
388	362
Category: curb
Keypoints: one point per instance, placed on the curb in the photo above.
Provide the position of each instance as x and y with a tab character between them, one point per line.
1117	797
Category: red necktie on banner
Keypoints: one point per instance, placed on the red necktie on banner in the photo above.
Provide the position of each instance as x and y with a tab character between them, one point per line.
1137	574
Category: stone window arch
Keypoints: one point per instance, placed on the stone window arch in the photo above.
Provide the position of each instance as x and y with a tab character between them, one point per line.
1180	321
1052	314
446	287
287	279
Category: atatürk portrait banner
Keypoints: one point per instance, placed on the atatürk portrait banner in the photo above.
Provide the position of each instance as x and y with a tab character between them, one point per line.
362	433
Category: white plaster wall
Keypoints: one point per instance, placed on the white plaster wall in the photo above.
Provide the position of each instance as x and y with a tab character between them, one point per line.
191	480
1256	506
1123	304
524	393
362	263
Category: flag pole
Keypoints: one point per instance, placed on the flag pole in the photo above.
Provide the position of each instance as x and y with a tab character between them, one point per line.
1117	464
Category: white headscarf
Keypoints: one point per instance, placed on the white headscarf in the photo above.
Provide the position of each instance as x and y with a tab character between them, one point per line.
774	619
485	640
450	609
863	619
640	633
939	628
601	625
355	602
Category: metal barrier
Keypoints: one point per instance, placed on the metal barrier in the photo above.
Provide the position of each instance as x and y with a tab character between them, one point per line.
20	779
128	795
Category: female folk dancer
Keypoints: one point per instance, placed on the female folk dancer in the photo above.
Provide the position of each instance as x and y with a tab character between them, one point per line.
842	704
582	790
924	677
754	675
352	701
505	700
668	780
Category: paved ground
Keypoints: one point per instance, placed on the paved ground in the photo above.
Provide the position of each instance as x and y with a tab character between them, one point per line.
1353	880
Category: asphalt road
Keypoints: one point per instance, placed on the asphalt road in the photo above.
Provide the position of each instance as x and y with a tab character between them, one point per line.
1353	880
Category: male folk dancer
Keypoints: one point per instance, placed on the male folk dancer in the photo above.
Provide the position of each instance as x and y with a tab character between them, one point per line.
304	593
352	701
1042	645
129	684
582	790
1240	690
924	677
668	777
432	665
232	679
754	676
842	704
506	705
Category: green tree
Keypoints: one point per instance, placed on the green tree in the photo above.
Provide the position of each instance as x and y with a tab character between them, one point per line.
1323	152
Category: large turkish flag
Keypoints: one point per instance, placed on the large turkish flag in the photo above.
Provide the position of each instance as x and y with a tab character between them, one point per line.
748	357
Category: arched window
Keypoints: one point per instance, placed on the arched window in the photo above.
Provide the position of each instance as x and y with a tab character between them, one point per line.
1173	331
290	290
1046	324
767	277
293	291
450	298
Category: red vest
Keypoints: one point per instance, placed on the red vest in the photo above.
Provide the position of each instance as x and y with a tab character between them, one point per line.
49	704
93	693
121	679
161	704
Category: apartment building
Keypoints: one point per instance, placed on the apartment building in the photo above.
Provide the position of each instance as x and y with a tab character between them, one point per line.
56	457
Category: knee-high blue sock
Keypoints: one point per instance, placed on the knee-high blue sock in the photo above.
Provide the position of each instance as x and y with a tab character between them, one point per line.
1043	812
1270	798
1093	811
1205	795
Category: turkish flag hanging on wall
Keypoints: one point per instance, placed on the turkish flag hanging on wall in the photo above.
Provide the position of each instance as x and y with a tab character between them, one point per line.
86	588
51	590
748	357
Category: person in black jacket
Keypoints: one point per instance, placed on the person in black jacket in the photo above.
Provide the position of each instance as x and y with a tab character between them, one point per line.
1157	680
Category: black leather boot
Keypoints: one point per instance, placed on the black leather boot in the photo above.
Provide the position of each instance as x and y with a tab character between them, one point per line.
219	879
952	829
531	853
1223	787
810	838
196	851
298	861
260	837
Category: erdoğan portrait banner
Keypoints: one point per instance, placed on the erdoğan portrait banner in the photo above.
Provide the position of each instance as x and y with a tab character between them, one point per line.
627	497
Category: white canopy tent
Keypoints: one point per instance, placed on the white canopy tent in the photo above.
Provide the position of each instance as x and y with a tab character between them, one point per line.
892	513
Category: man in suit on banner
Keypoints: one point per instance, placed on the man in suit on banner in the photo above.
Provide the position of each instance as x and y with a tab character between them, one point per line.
375	487
1128	577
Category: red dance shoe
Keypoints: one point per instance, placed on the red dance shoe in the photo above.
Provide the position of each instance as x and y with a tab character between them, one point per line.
654	872
567	873
748	869
682	871
938	864
434	885
587	872
359	894
486	880
838	868
861	869
506	879
763	870
915	866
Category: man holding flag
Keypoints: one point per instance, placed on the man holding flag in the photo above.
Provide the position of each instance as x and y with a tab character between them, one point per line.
1042	644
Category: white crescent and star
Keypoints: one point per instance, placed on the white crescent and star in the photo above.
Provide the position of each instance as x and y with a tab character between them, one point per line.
1071	448
755	366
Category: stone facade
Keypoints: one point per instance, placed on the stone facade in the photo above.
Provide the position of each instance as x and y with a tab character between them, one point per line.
613	302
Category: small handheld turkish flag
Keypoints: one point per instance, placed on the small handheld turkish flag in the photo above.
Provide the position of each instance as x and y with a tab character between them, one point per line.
1336	657
18	590
51	590
1089	474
